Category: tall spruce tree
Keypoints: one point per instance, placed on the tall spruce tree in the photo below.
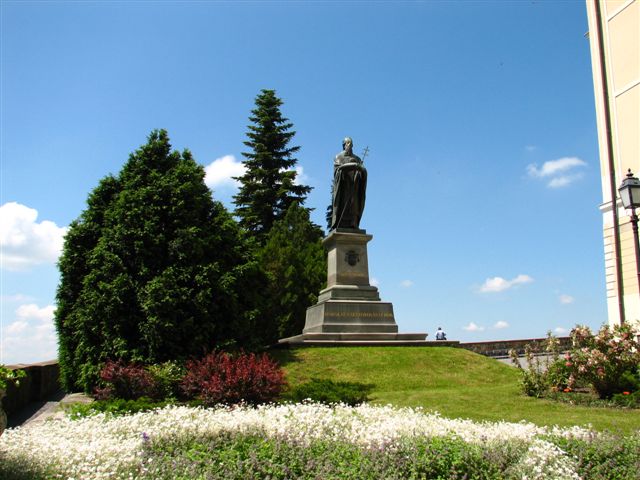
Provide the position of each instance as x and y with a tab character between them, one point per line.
268	186
152	270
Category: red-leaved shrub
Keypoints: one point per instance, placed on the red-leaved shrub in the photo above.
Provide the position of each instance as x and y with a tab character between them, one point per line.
126	381
223	378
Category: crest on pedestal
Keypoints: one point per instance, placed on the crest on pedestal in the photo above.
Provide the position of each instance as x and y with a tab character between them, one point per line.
352	257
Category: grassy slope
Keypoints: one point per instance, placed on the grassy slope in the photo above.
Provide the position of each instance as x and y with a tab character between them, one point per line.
454	382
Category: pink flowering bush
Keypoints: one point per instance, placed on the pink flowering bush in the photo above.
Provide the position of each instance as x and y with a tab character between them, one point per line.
608	361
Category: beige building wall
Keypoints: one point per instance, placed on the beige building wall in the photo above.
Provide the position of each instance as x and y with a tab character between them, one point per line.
614	37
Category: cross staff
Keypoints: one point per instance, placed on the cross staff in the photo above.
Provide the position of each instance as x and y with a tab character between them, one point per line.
365	152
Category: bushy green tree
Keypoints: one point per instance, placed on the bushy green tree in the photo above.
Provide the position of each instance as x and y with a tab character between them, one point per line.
294	259
268	186
152	270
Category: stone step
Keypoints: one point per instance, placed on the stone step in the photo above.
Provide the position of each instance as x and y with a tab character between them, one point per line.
357	338
353	328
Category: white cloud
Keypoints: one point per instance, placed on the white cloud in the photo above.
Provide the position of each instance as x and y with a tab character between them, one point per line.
31	336
560	172
563	181
375	282
560	330
499	284
530	148
18	326
566	299
472	327
25	242
32	311
221	171
406	283
553	167
301	177
499	325
18	297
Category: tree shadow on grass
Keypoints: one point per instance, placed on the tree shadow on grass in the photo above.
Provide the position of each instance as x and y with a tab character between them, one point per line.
285	356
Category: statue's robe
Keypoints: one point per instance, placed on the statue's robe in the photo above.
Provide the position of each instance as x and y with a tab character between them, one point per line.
349	191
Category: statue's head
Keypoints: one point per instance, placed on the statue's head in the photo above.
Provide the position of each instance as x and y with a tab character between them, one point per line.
347	144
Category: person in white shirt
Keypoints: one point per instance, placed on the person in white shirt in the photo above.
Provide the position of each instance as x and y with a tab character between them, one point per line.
440	334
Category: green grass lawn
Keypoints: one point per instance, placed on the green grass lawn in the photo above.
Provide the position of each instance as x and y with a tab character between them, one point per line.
453	381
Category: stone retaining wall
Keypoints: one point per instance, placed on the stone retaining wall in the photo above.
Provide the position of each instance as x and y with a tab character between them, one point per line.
42	381
500	348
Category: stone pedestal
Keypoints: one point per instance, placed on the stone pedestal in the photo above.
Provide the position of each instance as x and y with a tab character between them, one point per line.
350	309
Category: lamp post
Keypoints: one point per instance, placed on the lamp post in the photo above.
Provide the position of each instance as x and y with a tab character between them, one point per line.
630	196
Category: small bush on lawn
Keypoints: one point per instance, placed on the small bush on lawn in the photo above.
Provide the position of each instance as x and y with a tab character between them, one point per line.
223	378
327	391
608	361
541	375
534	382
115	406
559	375
627	399
125	381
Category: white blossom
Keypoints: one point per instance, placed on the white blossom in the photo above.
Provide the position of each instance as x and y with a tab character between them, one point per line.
104	447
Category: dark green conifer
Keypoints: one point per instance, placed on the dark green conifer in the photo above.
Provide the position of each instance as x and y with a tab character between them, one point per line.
294	259
153	269
268	187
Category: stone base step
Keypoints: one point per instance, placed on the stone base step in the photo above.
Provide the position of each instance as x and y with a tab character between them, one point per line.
363	339
355	328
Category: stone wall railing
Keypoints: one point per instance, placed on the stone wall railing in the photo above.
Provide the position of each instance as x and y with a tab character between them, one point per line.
500	348
42	381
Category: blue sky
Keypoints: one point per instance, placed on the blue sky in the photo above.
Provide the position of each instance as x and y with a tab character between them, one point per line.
484	180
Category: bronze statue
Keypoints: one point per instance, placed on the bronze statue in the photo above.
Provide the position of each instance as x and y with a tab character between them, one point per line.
349	188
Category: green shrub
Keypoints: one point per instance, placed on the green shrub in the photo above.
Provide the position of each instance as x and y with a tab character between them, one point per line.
534	383
153	269
327	391
534	380
551	373
7	375
558	375
630	380
116	406
627	399
167	377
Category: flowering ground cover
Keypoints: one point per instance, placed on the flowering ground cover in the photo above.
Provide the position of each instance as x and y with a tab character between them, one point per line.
309	441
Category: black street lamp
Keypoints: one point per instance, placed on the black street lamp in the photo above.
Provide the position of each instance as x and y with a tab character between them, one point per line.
630	196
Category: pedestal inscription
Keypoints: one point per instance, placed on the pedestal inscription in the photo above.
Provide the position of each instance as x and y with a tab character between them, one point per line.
349	304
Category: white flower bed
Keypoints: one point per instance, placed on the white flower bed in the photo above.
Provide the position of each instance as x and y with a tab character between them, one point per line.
103	446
